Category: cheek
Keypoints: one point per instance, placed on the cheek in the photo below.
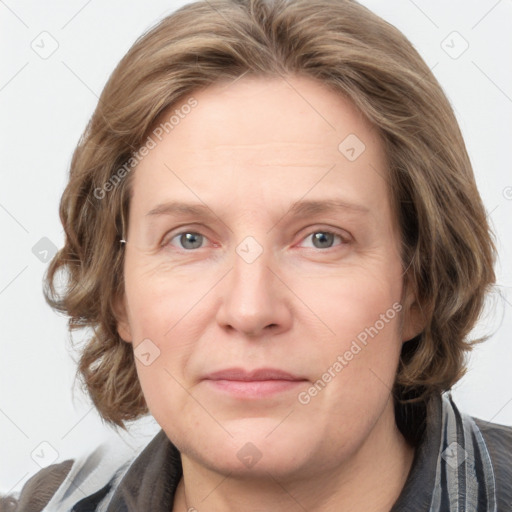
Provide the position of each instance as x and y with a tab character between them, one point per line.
160	300
359	348
350	300
166	316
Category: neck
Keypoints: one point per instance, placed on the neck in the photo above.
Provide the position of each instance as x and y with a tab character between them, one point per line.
370	481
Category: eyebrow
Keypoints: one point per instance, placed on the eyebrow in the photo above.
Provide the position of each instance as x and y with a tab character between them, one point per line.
302	208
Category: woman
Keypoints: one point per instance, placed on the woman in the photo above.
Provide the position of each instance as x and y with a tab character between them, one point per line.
273	228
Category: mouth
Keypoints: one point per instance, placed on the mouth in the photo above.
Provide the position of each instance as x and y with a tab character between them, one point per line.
255	384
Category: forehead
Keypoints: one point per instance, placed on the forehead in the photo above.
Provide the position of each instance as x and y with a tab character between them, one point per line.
290	135
253	111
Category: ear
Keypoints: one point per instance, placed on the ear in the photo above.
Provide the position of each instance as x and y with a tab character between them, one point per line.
123	325
413	319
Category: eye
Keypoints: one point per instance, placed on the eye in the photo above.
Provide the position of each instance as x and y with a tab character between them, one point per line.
323	239
188	240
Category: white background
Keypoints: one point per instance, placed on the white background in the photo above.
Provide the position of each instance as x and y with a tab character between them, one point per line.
45	104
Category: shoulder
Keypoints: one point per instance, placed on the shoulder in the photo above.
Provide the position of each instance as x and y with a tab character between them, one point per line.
498	438
38	490
60	486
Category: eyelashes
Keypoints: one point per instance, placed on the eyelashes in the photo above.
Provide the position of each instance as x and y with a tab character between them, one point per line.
190	237
191	240
331	235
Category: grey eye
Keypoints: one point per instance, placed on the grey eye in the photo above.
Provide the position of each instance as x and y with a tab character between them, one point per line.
323	239
191	240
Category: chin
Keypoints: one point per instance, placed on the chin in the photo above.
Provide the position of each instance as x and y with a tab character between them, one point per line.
259	448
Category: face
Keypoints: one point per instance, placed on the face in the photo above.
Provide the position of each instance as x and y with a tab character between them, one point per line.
263	281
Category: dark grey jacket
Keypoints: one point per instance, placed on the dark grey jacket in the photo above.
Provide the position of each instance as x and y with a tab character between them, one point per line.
463	464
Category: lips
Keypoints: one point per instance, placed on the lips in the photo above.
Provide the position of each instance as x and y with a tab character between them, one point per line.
262	383
261	374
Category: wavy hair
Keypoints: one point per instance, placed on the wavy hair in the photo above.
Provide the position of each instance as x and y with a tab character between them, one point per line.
448	251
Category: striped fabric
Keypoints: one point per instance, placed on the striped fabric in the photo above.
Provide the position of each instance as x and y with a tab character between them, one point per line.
465	480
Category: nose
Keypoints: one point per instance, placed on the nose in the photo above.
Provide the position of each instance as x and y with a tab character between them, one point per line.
255	299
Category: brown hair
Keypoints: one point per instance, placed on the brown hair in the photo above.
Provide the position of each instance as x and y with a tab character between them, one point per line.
448	252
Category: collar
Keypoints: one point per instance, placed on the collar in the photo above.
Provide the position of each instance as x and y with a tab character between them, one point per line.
417	491
151	480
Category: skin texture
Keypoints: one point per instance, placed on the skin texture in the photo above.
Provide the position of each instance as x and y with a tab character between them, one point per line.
248	151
